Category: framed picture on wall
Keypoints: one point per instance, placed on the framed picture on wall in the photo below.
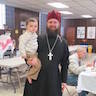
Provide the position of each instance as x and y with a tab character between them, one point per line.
22	24
80	32
91	32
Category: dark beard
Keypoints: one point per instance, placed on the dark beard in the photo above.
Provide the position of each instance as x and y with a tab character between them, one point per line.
52	33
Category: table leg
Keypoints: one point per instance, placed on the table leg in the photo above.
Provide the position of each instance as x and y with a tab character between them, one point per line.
10	70
19	81
0	72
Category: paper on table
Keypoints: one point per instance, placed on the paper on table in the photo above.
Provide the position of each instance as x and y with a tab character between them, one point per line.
89	73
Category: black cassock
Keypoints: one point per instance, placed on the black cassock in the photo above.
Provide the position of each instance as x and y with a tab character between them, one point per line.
50	78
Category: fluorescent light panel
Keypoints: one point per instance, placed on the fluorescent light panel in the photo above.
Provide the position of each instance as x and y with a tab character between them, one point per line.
58	5
65	12
86	16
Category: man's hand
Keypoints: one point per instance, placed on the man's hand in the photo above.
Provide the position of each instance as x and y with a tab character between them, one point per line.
89	64
32	61
63	85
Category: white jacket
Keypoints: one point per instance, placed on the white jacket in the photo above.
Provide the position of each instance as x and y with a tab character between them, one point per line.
28	43
74	66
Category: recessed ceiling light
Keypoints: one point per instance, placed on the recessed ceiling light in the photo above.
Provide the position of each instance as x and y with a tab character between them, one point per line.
58	5
65	12
86	16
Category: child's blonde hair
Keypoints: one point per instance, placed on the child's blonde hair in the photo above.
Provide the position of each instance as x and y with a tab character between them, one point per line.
31	20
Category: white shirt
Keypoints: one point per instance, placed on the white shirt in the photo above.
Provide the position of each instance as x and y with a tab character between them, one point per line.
28	43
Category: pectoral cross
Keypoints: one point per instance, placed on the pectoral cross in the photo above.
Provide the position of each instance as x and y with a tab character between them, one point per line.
50	55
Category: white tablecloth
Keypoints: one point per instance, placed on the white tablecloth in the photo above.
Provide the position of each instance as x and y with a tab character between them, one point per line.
87	82
12	62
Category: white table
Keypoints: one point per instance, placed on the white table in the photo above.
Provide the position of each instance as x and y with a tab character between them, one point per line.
12	63
87	82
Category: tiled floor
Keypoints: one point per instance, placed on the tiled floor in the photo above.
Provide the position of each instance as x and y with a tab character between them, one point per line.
7	89
9	92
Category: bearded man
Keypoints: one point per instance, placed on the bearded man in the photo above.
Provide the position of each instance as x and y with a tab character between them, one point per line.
52	51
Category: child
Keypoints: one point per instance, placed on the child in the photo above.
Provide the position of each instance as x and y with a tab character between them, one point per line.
28	47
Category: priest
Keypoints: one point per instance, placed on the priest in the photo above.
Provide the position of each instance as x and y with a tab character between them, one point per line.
52	52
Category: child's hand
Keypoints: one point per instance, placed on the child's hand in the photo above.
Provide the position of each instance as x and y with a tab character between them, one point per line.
29	80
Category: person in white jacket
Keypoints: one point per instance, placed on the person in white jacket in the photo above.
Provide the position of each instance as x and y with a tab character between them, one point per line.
28	46
76	65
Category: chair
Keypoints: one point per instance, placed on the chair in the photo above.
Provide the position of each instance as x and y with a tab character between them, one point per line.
70	91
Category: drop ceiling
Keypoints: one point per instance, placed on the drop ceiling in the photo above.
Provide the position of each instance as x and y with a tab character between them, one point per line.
77	7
